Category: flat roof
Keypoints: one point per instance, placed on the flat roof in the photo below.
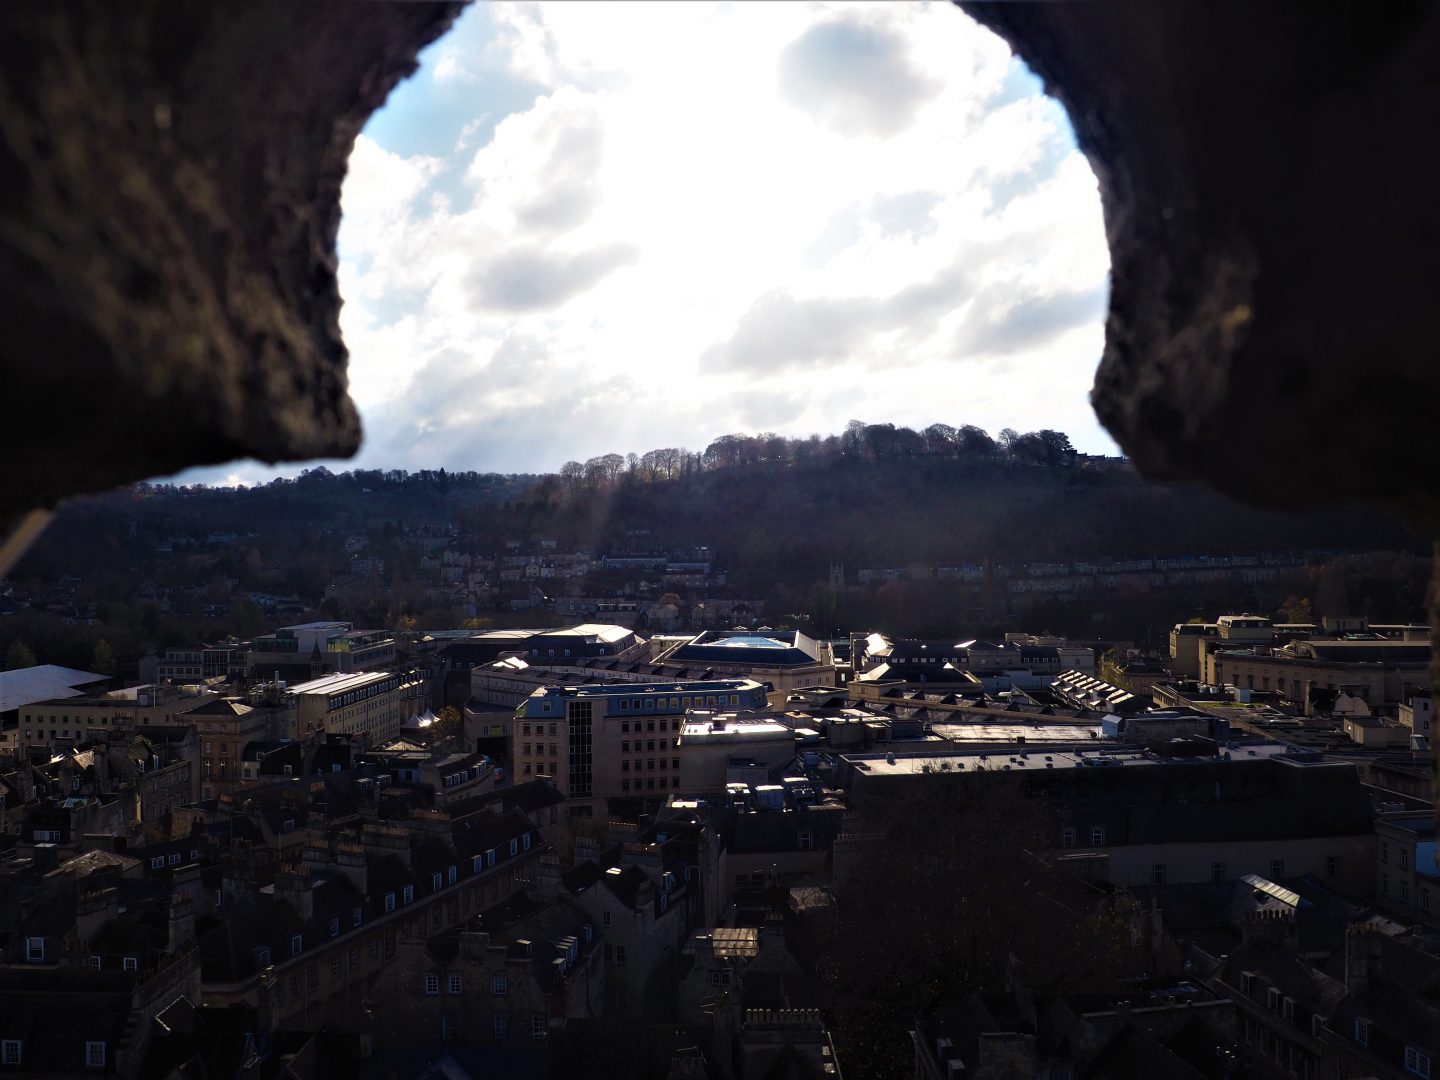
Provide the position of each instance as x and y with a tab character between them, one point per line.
702	686
735	728
1001	733
606	632
340	681
1038	760
748	641
42	682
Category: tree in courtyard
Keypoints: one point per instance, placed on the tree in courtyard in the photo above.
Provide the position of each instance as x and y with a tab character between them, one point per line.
449	723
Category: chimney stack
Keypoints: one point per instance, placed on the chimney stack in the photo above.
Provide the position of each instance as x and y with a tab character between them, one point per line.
182	922
547	879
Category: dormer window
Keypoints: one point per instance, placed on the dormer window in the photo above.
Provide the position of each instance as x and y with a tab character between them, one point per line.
35	950
514	847
409	894
1362	1031
450	875
297	942
334	927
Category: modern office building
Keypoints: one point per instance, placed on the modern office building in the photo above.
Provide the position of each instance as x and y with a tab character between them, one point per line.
375	703
615	740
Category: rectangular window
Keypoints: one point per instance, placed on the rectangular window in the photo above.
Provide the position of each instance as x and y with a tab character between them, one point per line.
1404	859
435	882
389	901
1277	869
297	942
447	1029
1417	1062
1067	837
455	984
502	1028
409	894
537	1027
1217	871
1332	865
334	927
605	918
1097	836
130	963
1157	874
35	949
499	985
432	984
94	1055
10	1052
355	917
514	847
1362	1032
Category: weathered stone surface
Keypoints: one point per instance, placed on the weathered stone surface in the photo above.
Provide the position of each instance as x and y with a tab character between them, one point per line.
1268	176
170	175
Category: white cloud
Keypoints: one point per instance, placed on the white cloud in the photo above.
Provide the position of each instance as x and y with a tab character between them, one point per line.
714	218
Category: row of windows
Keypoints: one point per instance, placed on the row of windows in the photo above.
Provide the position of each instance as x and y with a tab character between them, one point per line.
500	1026
649	765
1402	891
539	729
649	783
1097	836
159	862
340	701
649	726
12	1052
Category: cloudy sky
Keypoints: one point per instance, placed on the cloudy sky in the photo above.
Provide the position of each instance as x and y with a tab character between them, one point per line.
592	227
